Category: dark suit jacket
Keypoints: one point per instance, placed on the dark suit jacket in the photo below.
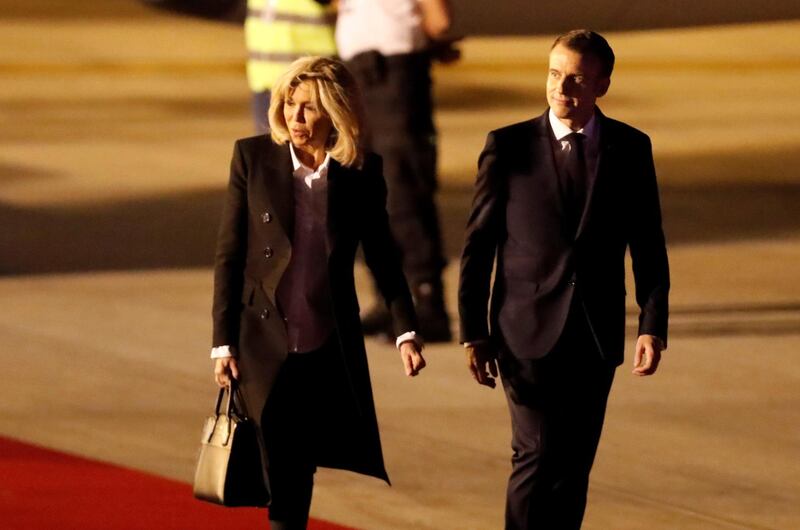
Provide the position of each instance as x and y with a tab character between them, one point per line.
519	216
253	250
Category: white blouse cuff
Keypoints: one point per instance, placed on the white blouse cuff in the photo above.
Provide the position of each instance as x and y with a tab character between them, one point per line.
409	336
223	352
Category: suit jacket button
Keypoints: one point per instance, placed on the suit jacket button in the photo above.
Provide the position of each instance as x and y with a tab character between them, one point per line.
264	314
266	217
268	252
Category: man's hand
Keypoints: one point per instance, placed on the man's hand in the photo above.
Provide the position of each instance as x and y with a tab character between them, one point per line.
648	355
224	369
481	355
436	17
412	358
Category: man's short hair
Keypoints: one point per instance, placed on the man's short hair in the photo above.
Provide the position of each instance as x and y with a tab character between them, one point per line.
587	42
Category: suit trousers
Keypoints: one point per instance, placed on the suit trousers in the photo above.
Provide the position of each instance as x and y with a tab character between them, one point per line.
309	392
557	405
399	106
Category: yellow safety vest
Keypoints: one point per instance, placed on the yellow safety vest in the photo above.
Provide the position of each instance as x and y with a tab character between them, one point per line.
279	31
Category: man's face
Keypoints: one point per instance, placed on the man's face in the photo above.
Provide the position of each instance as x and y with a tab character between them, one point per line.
574	82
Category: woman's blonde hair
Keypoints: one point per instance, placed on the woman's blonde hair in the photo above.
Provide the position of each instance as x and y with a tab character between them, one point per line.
334	89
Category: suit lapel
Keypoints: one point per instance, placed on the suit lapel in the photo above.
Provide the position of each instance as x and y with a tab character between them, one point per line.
545	169
545	152
604	148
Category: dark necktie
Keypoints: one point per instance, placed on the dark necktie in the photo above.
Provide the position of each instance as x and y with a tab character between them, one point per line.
574	165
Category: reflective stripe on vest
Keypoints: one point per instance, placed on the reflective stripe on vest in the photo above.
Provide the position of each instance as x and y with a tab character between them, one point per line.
326	19
279	31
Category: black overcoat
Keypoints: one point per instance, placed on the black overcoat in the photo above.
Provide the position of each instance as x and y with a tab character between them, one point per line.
254	247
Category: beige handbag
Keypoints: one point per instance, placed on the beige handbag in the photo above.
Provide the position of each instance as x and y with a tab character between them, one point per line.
229	470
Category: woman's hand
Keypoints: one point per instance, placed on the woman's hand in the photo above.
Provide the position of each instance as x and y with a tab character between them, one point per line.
412	358
224	369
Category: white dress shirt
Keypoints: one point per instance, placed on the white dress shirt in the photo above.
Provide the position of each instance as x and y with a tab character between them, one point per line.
591	143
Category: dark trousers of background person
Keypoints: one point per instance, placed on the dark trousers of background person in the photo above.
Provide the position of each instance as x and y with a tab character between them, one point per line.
305	406
399	108
259	105
557	406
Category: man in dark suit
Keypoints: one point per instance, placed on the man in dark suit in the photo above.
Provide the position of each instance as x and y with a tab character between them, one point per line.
558	200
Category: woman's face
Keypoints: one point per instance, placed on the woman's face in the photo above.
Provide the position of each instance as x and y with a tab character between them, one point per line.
309	126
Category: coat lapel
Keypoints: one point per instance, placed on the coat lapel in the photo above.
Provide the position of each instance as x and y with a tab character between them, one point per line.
335	173
279	182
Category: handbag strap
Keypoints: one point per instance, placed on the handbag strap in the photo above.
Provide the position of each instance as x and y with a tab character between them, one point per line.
234	405
219	400
239	407
230	408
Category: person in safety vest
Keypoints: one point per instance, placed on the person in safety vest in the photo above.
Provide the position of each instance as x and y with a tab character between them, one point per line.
277	32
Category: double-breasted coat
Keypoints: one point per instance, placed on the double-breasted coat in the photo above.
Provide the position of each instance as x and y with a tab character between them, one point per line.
254	248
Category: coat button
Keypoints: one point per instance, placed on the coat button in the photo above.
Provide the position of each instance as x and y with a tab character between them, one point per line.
268	252
264	314
266	217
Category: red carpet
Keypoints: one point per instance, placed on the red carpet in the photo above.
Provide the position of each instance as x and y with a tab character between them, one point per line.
45	489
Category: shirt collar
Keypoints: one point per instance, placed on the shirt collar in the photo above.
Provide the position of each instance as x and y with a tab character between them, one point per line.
560	130
296	164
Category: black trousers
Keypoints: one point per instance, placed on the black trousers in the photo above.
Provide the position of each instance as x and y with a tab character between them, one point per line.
399	108
557	405
303	408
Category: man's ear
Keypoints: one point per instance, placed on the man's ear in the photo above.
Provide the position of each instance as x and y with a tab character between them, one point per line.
602	87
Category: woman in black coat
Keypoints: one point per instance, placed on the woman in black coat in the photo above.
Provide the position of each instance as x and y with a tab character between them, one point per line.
285	314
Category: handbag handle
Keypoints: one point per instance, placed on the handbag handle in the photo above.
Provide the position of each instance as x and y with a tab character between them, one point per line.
219	400
230	407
